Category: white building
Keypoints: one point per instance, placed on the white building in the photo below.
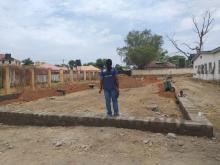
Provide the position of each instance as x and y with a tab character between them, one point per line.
206	66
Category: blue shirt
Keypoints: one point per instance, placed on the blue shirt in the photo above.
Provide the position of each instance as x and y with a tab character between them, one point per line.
109	79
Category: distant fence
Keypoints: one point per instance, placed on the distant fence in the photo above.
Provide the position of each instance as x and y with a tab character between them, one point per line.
13	79
175	71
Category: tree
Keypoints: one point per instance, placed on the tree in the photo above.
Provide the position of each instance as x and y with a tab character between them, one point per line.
141	55
100	63
162	56
180	61
27	61
201	30
90	63
138	48
72	63
118	67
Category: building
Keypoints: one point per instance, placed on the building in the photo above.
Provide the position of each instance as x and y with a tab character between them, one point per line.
44	65
89	68
55	72
159	65
79	72
87	72
206	66
7	59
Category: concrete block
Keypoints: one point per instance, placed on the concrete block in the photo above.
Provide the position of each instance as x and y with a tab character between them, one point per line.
163	125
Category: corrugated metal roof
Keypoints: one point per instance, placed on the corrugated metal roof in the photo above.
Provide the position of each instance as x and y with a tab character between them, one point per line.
216	50
211	51
81	68
52	67
87	68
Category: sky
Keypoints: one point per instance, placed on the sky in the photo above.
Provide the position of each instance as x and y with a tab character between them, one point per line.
57	30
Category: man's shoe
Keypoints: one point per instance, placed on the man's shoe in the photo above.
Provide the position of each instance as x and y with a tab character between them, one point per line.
108	115
116	114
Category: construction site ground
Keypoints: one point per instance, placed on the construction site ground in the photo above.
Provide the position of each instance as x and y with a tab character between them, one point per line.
98	146
112	146
138	98
205	96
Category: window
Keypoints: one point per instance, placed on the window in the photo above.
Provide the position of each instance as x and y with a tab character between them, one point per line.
12	77
198	70
205	69
210	67
55	77
202	69
41	78
219	66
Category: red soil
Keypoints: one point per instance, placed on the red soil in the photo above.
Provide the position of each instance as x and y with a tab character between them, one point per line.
125	82
163	93
130	82
29	95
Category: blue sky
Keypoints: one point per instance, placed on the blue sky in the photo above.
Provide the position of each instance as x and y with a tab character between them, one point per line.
53	30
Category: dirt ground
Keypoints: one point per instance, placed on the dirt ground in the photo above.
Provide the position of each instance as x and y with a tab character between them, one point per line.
137	99
112	146
98	146
29	95
205	96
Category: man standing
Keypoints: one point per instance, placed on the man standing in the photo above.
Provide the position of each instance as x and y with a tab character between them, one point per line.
109	82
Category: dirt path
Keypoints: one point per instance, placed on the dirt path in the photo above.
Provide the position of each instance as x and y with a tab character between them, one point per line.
98	146
205	96
135	102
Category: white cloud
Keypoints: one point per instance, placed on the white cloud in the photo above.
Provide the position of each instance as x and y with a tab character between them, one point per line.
158	11
184	28
185	24
55	29
33	29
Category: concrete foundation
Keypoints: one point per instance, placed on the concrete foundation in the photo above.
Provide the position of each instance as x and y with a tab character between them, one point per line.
191	112
162	125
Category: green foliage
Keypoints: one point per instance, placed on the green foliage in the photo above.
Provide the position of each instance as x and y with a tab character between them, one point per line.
188	63
27	61
140	56
162	56
100	63
141	47
118	67
180	61
72	63
90	63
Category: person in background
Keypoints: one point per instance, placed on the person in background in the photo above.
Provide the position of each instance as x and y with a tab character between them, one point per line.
109	82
